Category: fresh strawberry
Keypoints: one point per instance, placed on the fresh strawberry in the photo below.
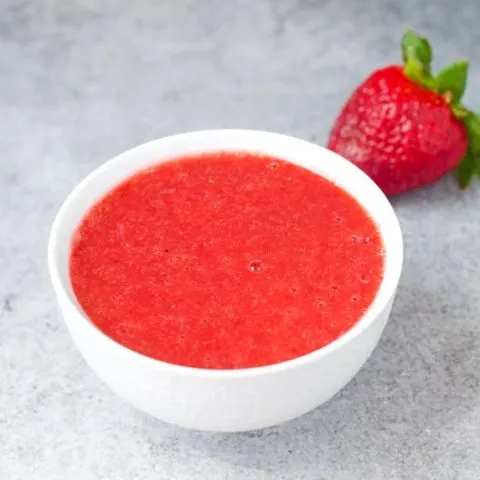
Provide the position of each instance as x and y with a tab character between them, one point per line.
406	128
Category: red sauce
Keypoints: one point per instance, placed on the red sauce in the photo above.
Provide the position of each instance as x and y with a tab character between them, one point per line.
226	260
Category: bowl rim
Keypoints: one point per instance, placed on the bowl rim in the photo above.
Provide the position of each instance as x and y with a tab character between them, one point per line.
387	286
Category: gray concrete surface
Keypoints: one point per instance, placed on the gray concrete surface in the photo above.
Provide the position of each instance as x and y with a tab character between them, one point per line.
82	80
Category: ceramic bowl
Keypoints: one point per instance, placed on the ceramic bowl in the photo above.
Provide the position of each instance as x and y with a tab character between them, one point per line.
226	400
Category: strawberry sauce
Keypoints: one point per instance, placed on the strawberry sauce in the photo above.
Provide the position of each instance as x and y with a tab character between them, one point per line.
226	260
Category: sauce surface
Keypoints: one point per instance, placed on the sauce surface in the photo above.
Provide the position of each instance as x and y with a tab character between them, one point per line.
226	260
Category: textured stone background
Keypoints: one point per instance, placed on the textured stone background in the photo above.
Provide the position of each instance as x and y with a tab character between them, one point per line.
82	80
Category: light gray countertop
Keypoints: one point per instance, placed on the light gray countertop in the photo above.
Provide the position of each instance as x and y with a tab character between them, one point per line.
83	80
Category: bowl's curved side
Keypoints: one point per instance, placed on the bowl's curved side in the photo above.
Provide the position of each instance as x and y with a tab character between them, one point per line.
223	404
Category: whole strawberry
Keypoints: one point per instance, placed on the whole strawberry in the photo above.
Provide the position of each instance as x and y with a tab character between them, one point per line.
405	127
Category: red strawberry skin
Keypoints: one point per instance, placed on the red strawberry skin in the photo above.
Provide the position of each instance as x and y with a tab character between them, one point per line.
400	134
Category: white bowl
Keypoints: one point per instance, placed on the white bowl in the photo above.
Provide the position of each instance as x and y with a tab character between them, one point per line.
226	400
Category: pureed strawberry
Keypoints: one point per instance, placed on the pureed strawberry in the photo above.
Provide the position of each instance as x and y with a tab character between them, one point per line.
226	260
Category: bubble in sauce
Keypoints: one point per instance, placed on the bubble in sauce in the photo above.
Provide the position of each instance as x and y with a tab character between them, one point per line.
255	266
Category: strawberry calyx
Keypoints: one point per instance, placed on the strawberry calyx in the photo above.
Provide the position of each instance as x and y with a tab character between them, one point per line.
450	83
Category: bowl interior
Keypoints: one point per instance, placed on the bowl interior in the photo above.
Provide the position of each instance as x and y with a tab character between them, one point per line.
300	152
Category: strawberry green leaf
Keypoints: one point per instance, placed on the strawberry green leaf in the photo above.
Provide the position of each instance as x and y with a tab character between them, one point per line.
472	122
416	50
467	169
470	164
452	80
417	57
